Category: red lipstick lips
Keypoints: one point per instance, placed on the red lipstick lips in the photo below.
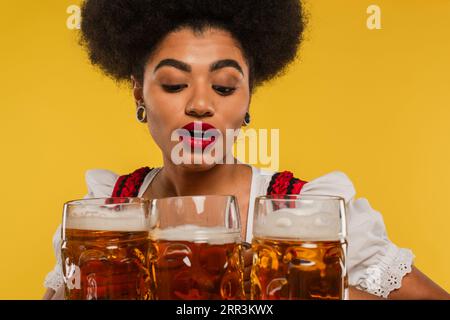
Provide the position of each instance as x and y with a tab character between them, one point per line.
197	138
203	126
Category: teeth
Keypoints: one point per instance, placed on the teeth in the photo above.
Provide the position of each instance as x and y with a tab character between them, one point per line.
202	138
196	133
200	135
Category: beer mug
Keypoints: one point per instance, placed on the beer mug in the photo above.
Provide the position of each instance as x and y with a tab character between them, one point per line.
299	245
105	249
196	248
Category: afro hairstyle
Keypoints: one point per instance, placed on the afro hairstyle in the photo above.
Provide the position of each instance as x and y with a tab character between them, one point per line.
120	35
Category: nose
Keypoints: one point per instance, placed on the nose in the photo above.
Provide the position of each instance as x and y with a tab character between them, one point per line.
200	105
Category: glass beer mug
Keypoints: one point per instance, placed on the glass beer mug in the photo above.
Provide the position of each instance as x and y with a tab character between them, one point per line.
196	248
105	249
299	245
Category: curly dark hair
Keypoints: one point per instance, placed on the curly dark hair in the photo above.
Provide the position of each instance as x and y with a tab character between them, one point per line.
120	35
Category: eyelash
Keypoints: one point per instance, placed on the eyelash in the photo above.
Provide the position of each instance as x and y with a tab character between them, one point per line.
173	88
221	90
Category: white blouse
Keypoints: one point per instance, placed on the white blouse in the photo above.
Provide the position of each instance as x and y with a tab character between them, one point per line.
374	263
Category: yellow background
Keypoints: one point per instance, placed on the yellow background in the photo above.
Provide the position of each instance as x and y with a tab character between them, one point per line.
372	103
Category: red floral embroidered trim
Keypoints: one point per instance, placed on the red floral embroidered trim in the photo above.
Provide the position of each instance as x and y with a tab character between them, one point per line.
284	183
129	185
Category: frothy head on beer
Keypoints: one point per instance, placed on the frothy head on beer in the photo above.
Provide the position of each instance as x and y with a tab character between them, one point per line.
93	215
295	223
194	233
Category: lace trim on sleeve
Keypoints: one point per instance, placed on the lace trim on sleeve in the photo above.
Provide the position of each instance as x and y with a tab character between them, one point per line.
54	279
383	278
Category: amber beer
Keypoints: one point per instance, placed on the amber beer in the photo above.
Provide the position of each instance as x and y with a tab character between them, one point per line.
196	248
105	251
287	269
197	263
299	253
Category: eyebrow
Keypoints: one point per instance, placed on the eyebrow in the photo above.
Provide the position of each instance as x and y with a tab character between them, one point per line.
187	68
226	63
173	63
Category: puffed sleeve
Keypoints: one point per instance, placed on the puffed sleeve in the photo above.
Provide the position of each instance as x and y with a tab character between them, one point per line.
100	183
375	264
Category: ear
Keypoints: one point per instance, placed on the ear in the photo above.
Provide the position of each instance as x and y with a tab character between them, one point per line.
137	90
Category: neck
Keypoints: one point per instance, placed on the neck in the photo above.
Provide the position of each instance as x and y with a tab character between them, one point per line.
177	180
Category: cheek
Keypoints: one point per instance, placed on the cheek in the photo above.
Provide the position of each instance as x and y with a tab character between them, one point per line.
158	115
235	107
157	101
161	107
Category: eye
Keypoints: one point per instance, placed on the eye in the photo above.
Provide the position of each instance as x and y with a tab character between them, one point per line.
223	91
173	88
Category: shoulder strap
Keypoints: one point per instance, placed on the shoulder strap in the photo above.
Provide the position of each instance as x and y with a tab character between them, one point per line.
284	183
128	185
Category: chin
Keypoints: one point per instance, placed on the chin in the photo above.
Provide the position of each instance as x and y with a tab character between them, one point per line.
197	162
201	167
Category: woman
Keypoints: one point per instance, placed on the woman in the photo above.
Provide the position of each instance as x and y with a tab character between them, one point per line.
197	63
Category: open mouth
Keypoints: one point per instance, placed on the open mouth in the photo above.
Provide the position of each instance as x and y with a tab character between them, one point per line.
201	134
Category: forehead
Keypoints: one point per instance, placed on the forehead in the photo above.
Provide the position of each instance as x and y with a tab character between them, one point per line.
197	48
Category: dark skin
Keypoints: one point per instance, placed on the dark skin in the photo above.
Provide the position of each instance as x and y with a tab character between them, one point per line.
188	88
197	92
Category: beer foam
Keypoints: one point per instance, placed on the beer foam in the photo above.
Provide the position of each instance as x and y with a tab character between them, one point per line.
293	223
106	219
194	233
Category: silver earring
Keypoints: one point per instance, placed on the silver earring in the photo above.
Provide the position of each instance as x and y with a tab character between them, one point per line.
247	119
141	113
